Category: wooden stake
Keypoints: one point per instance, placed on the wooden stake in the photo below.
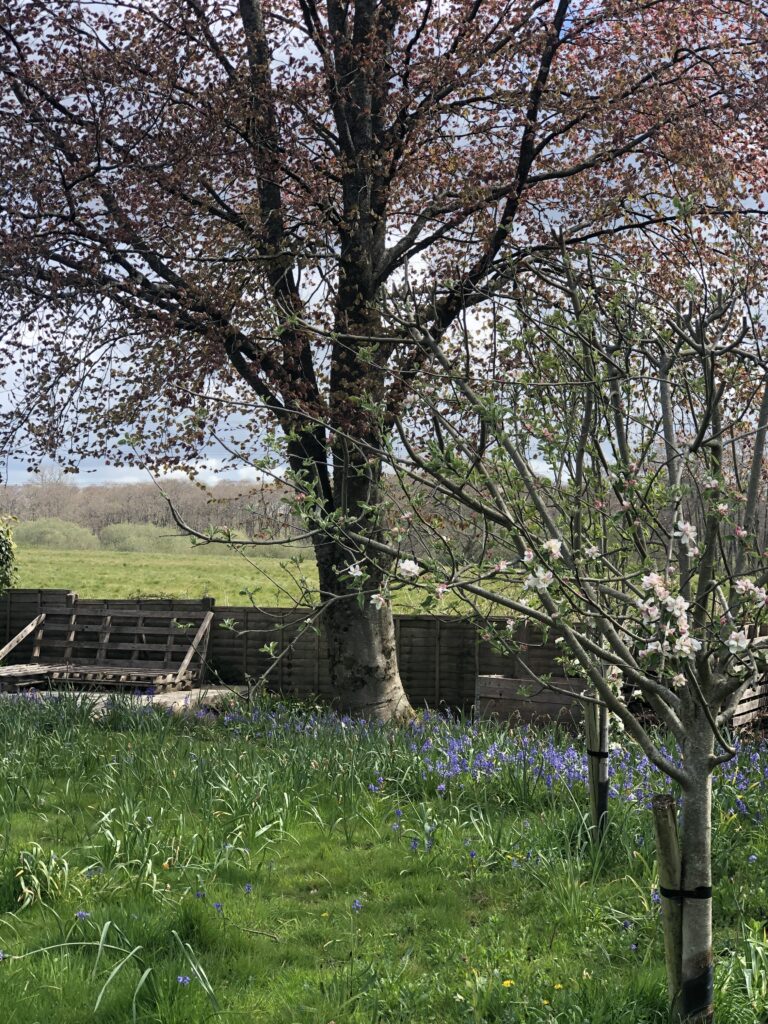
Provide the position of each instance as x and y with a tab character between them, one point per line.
596	729
668	860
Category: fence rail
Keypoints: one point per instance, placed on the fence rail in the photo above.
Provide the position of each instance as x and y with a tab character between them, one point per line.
440	657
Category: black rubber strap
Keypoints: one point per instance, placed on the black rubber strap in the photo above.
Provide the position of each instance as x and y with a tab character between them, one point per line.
598	753
697	993
701	892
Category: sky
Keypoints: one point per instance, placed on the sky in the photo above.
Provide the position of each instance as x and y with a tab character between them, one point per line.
94	471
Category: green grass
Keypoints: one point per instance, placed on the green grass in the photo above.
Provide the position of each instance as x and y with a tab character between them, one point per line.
226	576
484	904
125	574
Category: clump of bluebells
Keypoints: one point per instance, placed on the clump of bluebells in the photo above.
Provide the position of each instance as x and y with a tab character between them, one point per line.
444	756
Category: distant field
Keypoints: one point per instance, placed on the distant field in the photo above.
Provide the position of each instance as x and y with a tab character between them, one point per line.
123	574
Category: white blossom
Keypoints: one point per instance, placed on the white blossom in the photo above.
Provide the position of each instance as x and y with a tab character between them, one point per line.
355	570
678	606
687	533
593	551
378	601
651	581
540	580
408	568
687	645
649	611
654	647
738	641
528	556
552	547
614	675
678	680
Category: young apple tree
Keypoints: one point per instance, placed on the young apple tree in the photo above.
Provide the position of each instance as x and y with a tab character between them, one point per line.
220	220
611	437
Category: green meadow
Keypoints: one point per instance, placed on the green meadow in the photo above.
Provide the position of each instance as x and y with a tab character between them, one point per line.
229	578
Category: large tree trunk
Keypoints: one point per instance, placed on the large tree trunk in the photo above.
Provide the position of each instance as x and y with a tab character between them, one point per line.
362	652
697	996
362	648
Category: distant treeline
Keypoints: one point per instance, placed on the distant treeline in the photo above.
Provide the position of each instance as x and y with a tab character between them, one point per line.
53	512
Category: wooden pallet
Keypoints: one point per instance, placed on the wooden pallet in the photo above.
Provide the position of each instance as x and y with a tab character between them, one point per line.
127	649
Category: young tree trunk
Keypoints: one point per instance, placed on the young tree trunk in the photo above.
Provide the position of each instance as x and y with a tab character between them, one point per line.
697	994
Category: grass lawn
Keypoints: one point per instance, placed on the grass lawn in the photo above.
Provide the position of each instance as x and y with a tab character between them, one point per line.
280	866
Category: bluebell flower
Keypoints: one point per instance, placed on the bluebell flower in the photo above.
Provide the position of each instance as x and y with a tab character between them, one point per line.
183	979
81	915
357	906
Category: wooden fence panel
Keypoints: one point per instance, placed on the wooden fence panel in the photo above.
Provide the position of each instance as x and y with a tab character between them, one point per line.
440	657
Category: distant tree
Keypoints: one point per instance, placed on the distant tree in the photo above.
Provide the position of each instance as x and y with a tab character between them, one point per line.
210	207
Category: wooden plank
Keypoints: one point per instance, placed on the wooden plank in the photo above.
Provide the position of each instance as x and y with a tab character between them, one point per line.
22	635
205	625
97	644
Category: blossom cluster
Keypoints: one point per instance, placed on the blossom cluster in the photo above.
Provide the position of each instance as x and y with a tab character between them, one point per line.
667	613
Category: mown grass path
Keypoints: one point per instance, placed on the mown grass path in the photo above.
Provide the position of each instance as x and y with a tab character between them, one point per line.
280	865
